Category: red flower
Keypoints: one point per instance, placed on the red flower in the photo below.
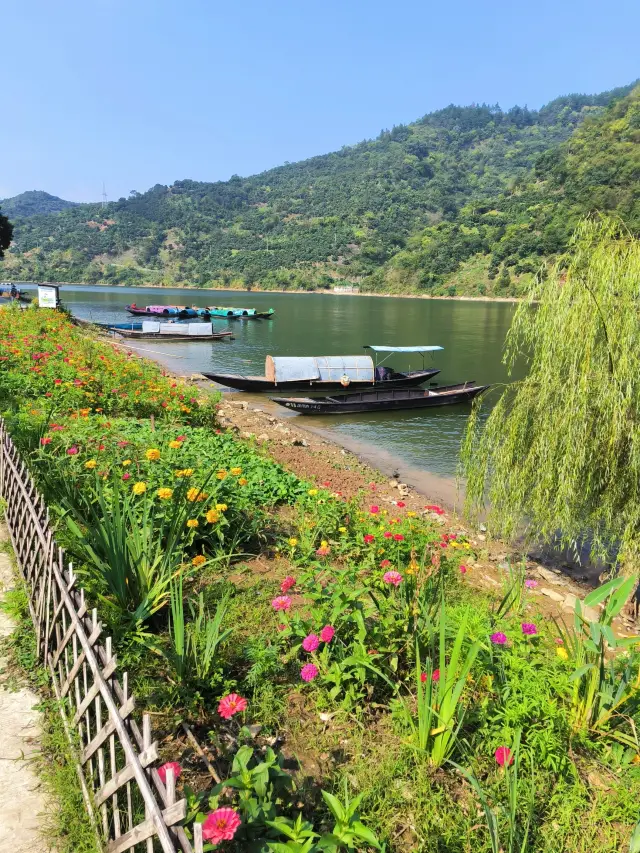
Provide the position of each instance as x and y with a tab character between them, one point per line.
170	765
435	508
45	440
435	675
369	538
463	570
423	677
374	509
385	564
57	381
503	756
287	583
230	705
401	504
72	451
398	537
387	534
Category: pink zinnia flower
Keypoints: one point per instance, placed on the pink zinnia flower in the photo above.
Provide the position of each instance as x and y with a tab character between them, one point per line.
385	564
423	677
170	765
220	825
529	628
45	440
57	381
323	552
281	602
401	504
181	438
394	578
398	537
559	641
498	639
311	642
287	583
435	675
369	538
503	756
281	627
463	570
308	672
327	633
230	705
122	444
72	451
126	476
387	534
374	509
530	584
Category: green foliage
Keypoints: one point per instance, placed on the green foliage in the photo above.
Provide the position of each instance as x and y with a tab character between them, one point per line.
33	202
602	690
402	210
559	454
6	233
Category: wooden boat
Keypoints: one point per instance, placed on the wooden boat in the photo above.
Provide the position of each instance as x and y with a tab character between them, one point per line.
322	373
169	336
161	310
383	400
236	313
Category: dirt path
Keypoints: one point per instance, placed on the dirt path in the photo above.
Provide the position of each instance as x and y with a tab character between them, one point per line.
22	798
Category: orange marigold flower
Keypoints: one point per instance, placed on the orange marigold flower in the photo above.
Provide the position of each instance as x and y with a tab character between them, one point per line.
222	475
175	445
236	472
164	493
243	481
139	488
90	464
193	522
199	560
212	516
153	454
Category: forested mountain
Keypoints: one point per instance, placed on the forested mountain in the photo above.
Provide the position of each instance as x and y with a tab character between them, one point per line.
33	202
401	212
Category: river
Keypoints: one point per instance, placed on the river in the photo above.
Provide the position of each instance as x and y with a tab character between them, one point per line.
472	334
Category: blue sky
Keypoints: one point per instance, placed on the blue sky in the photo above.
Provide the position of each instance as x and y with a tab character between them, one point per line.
139	92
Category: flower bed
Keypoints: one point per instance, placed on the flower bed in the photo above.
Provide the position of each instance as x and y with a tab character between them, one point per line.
285	623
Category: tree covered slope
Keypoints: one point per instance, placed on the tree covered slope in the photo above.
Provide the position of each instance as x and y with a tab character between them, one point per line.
33	202
400	212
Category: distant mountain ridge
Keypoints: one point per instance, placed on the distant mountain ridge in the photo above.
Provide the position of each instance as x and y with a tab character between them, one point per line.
427	207
32	203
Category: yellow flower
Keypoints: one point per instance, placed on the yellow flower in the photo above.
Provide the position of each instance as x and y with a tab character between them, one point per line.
236	472
185	409
293	542
562	653
199	560
412	568
342	530
411	514
221	507
153	454
184	472
221	475
243	481
90	464
164	494
312	492
193	522
196	495
139	488
212	516
324	544
126	462
175	445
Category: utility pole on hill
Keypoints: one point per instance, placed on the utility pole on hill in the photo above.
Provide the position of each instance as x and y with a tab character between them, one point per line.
104	196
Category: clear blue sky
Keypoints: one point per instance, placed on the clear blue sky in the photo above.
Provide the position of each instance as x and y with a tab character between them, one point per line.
139	92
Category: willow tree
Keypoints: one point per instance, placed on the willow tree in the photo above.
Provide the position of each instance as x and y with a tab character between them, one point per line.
558	457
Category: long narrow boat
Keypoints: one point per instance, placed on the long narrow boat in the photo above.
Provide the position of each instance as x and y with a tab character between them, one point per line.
326	373
391	400
236	313
169	336
161	310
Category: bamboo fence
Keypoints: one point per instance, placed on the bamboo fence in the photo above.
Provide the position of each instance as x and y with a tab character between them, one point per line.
129	806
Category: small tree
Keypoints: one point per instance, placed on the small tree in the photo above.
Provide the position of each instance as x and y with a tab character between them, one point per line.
6	234
559	455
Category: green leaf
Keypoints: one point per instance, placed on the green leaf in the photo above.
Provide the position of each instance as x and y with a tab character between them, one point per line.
335	807
365	833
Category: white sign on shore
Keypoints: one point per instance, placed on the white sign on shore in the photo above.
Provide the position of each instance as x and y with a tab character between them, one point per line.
48	295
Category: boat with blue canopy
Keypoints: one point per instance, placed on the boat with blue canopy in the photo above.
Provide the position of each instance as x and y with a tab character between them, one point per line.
328	373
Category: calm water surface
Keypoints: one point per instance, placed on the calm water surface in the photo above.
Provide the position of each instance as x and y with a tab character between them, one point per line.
472	334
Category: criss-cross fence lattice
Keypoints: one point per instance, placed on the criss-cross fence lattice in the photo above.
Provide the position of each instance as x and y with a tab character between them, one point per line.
129	805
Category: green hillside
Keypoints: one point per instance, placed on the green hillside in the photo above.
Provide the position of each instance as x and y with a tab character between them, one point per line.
400	212
504	239
33	202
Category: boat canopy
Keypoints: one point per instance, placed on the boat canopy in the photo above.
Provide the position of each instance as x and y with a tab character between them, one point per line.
325	368
403	349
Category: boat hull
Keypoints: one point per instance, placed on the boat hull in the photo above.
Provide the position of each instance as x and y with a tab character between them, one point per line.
383	400
157	336
261	384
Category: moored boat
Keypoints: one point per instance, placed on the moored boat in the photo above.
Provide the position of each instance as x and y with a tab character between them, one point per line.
181	311
327	373
17	295
170	331
383	400
238	313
